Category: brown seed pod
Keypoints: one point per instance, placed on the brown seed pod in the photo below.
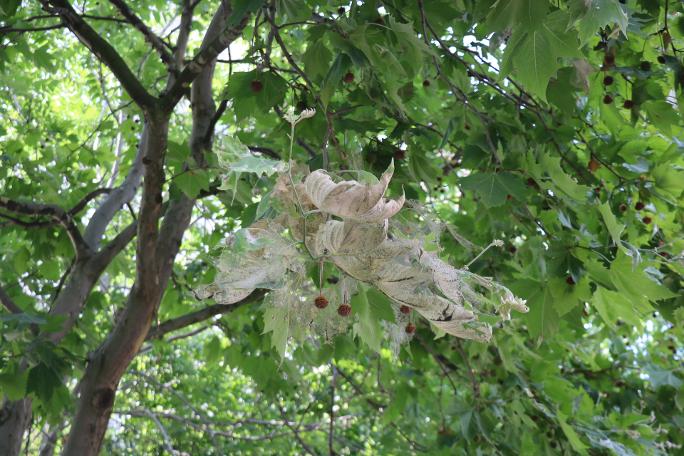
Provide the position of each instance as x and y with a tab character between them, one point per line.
321	302
410	328
405	309
593	165
256	86
344	310
349	77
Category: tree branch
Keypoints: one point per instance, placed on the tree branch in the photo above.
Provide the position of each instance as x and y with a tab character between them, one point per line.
207	53
103	51
149	35
8	302
117	198
183	321
55	213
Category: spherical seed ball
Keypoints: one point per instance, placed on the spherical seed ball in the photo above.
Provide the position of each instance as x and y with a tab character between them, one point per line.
628	104
647	220
608	80
623	207
661	59
344	310
607	99
256	86
405	309
349	77
593	165
410	328
320	302
426	83
645	66
639	206
569	280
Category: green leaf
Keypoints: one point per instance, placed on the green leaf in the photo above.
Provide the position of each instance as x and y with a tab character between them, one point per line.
567	297
563	182
317	60
212	350
525	14
257	165
13	383
42	381
338	69
249	98
367	327
493	188
542	319
614	227
663	377
193	181
380	305
295	10
613	306
277	322
669	179
600	13
662	115
570	433
636	284
533	60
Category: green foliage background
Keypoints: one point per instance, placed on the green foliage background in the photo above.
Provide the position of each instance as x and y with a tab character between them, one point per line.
555	126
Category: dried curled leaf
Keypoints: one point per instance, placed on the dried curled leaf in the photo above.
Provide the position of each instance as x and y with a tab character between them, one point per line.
349	237
351	199
404	267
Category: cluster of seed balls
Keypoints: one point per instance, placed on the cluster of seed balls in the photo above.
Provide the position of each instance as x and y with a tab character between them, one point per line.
344	310
608	63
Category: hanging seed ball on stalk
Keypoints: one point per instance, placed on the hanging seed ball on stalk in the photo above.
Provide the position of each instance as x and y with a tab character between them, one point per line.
405	310
344	310
349	77
608	80
607	99
256	86
320	302
410	328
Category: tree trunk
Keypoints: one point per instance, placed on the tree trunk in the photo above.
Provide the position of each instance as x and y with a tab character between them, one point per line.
14	418
109	362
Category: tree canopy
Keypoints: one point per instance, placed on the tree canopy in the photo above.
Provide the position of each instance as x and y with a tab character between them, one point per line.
199	201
